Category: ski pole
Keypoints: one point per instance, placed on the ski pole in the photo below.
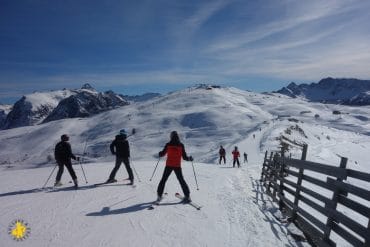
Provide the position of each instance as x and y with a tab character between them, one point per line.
80	160
137	175
155	169
49	176
83	171
195	175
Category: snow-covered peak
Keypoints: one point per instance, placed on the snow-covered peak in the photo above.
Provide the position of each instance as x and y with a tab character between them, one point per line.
84	104
88	87
4	111
52	98
33	108
331	90
40	107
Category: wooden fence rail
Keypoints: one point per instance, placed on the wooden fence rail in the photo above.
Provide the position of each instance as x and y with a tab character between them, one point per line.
293	184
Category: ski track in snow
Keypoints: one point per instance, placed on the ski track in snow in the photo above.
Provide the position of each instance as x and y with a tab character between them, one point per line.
114	215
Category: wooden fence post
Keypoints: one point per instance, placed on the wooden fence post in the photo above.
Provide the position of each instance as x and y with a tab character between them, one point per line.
333	205
275	173
299	184
304	152
269	172
264	166
281	186
367	243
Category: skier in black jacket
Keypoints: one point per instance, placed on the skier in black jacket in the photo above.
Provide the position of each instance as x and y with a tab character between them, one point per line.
63	154
121	149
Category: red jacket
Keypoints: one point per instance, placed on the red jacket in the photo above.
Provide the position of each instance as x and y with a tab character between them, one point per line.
236	154
174	153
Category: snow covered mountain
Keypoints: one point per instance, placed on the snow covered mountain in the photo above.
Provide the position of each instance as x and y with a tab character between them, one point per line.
33	108
140	98
205	119
84	103
330	90
4	111
41	107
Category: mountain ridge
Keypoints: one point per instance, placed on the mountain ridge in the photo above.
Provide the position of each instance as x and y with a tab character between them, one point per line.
347	91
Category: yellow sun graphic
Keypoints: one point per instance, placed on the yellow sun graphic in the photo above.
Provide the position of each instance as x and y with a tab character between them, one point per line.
19	230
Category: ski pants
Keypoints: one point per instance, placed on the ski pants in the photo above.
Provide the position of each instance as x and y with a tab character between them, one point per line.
119	161
236	160
166	174
222	158
68	164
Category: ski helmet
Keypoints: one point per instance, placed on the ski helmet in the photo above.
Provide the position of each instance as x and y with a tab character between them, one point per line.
64	137
123	132
174	136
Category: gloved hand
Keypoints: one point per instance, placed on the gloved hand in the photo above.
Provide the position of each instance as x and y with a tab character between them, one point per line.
191	158
77	158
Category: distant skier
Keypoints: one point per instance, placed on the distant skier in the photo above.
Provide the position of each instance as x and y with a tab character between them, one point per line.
121	148
63	154
236	156
175	150
245	157
222	154
254	136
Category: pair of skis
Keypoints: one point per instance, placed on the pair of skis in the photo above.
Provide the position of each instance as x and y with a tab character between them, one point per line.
181	197
116	182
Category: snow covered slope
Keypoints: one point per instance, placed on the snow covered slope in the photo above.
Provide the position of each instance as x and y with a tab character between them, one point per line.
330	90
117	215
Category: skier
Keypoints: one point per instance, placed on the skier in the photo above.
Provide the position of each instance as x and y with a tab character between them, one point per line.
236	156
245	157
63	154
121	148
254	136
174	150
222	154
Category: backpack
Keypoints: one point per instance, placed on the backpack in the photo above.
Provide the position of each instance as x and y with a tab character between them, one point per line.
60	151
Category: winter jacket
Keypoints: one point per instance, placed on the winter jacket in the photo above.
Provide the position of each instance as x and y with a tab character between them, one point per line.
120	147
174	151
63	151
222	152
236	154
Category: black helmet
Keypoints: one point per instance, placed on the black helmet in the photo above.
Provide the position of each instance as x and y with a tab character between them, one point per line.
64	137
174	136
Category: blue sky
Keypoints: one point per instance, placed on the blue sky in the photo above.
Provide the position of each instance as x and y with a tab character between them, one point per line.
137	46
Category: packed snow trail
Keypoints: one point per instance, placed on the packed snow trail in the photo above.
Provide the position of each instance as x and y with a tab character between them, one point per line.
117	215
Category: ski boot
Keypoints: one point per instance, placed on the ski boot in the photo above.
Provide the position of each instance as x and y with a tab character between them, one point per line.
111	180
76	183
57	184
186	199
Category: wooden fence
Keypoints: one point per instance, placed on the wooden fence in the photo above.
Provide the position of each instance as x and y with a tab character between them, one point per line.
291	183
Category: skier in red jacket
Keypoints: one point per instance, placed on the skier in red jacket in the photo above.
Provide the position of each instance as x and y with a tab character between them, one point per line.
236	156
175	150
